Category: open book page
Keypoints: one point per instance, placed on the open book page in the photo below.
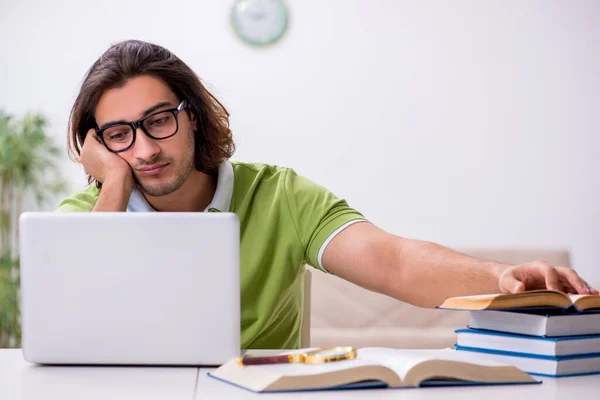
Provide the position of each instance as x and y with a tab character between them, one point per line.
532	298
585	301
494	296
575	297
402	361
314	369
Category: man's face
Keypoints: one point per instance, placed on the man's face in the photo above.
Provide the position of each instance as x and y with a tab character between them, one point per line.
160	167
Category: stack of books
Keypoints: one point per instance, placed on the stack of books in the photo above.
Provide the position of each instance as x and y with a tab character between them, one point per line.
541	332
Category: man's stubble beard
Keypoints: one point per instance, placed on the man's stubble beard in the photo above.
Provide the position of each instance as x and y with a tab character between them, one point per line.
182	174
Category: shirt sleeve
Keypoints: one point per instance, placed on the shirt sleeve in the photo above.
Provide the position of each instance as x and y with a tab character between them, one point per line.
83	201
318	215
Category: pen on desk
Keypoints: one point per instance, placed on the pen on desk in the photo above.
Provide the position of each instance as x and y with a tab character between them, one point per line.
281	359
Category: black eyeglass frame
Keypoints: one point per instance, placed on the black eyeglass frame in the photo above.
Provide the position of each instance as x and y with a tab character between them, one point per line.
140	124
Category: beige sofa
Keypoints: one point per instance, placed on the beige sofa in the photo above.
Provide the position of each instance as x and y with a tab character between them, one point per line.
342	313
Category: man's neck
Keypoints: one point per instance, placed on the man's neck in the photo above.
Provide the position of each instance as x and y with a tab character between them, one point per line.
194	195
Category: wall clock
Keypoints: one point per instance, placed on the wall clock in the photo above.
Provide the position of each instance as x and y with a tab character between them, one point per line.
259	22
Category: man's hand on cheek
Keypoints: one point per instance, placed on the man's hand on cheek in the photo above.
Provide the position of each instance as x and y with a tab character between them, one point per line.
100	163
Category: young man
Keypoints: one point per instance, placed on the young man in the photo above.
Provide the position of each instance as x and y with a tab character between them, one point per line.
152	138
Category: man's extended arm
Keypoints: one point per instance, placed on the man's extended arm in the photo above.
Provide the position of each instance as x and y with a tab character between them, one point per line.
425	274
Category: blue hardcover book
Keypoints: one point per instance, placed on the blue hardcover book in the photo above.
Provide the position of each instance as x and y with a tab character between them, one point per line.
374	368
540	323
581	364
536	345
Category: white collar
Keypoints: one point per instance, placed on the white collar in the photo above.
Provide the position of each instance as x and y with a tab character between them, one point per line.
221	200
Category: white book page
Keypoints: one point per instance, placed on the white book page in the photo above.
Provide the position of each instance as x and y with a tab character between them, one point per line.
398	360
295	369
575	297
402	360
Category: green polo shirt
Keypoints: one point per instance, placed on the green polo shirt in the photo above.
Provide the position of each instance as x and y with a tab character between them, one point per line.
286	222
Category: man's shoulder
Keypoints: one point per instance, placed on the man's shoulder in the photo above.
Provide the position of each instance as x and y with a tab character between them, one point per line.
81	201
259	185
246	173
271	177
257	168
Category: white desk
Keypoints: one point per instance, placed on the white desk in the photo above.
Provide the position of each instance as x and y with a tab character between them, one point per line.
21	380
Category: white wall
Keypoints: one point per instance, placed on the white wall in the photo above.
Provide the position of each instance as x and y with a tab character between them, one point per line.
469	123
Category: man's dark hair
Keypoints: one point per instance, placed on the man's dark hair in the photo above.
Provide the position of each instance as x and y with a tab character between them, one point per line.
129	59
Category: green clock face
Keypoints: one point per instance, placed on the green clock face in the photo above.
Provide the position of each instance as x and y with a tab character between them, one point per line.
259	22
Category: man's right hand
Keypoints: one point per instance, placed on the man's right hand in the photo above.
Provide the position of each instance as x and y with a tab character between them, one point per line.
100	163
112	171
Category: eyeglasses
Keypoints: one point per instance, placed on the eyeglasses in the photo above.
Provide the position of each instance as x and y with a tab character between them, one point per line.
158	126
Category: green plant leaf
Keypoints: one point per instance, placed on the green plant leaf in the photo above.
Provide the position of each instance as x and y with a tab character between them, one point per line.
28	167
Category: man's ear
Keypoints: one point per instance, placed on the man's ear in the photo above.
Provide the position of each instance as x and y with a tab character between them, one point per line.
194	121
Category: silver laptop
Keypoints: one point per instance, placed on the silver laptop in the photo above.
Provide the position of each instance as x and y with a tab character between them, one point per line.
130	288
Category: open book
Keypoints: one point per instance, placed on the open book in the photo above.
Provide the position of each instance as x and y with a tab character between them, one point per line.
374	367
529	299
